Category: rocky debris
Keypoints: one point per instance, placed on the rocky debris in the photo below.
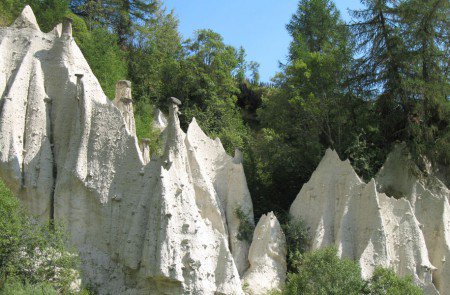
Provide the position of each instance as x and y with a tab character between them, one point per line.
442	173
164	226
159	121
398	220
67	27
267	258
175	101
124	103
57	30
145	150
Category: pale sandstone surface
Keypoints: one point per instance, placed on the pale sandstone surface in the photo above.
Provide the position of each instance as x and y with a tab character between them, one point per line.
145	150
142	226
159	120
406	231
229	187
124	102
428	197
267	258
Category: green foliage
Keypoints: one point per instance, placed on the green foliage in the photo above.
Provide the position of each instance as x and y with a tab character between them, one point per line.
11	224
100	49
48	12
207	85
312	96
297	240
383	63
106	60
249	101
322	272
385	281
124	17
404	59
31	253
16	287
143	116
365	157
7	12
246	227
154	60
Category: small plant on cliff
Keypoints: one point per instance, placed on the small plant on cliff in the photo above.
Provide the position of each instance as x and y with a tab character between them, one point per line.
246	227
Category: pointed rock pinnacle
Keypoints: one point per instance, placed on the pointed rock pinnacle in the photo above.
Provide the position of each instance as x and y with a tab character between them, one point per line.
26	20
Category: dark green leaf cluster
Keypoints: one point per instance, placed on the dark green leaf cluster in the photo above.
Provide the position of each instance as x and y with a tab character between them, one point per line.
358	88
322	272
297	240
144	115
385	281
404	61
313	106
246	227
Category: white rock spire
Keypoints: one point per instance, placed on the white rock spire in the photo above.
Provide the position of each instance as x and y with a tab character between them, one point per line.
407	231
26	19
160	226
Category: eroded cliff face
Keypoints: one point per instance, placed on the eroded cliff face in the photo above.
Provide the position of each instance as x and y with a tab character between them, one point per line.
142	225
267	257
399	220
429	198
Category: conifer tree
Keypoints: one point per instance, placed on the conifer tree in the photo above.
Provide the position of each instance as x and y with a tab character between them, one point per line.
124	17
425	27
383	60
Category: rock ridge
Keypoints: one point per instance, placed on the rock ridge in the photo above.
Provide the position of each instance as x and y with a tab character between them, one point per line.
398	220
143	224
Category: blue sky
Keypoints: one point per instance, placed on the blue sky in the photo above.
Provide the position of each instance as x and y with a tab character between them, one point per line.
257	25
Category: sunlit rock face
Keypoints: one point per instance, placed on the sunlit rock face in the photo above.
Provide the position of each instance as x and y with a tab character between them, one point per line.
124	103
142	224
267	258
399	220
429	198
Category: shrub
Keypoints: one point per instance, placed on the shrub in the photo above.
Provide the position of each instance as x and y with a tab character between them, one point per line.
144	116
385	281
32	254
297	240
246	227
16	287
322	272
